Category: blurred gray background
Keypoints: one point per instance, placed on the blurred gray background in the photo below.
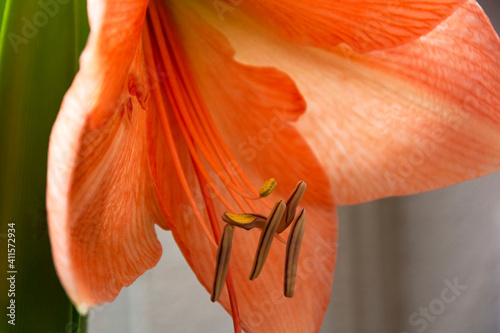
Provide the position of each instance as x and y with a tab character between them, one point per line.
423	263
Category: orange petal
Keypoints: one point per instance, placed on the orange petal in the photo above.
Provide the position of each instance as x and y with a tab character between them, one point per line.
246	101
363	24
115	33
399	121
100	199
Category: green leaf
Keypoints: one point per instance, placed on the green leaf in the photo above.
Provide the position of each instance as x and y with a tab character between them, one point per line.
40	41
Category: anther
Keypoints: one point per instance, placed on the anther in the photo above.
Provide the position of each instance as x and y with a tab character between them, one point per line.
267	188
266	238
222	265
246	221
292	252
291	206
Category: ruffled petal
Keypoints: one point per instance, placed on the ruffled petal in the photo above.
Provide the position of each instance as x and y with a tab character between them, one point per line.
100	199
363	24
400	121
246	101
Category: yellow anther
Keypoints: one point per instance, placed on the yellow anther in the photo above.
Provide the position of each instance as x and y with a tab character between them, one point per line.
241	218
245	221
267	188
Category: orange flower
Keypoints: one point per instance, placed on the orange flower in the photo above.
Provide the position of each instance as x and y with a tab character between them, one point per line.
182	109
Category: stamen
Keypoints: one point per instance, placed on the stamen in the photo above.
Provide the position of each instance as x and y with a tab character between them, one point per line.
266	238
267	188
245	221
291	206
292	252
175	94
199	124
216	229
171	144
180	105
223	256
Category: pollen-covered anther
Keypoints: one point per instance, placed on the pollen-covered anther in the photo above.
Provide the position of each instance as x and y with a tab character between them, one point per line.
292	252
266	238
245	221
222	262
267	188
291	206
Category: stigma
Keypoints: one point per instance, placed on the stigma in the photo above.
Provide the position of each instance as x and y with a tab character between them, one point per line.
282	216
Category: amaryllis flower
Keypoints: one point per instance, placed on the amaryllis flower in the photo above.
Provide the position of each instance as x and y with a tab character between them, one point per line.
181	110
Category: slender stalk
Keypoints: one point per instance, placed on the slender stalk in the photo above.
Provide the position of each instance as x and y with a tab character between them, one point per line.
216	230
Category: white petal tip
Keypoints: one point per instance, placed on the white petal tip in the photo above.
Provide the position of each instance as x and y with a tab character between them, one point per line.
83	309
